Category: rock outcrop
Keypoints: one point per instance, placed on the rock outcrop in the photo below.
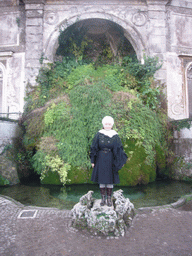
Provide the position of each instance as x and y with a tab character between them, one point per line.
103	220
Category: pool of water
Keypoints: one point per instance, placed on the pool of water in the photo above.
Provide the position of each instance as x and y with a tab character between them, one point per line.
154	194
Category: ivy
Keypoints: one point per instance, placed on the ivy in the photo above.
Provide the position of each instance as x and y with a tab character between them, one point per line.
180	124
75	96
139	70
43	163
73	42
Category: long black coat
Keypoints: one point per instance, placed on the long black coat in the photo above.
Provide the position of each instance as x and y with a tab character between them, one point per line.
109	157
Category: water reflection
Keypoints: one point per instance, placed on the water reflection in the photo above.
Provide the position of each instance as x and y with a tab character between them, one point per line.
157	193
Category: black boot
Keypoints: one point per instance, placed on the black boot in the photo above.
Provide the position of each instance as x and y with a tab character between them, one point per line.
109	193
102	190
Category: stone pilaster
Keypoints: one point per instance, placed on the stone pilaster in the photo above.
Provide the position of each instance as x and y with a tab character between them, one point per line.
157	32
34	38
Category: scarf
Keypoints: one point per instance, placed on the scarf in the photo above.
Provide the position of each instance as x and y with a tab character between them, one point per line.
109	133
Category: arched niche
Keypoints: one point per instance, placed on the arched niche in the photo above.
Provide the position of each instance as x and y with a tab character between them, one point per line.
3	103
130	32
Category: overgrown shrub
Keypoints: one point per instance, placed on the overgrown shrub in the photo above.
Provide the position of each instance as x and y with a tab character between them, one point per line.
73	99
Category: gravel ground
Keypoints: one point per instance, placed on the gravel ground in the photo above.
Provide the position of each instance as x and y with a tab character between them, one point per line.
37	231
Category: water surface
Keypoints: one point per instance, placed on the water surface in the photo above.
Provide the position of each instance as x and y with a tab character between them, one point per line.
154	194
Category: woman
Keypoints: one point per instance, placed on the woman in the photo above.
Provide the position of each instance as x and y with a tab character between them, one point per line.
107	158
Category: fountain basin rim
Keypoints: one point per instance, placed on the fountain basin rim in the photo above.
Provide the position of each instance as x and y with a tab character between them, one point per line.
180	202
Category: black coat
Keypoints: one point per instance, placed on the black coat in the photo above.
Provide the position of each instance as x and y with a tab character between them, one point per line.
109	157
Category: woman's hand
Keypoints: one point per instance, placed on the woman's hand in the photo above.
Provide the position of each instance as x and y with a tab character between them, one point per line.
92	165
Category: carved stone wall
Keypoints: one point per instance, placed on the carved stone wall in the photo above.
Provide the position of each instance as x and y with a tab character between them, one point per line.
12	58
179	48
60	17
157	28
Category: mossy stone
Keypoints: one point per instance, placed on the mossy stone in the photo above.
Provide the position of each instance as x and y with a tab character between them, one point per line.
136	170
79	176
51	178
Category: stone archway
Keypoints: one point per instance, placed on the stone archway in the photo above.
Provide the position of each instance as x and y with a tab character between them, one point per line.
130	32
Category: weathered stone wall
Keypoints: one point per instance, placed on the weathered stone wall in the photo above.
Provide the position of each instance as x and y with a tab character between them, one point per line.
179	54
12	57
153	28
9	131
183	149
157	28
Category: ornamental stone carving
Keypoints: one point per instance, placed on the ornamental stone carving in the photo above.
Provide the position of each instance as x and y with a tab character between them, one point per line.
177	107
51	17
139	19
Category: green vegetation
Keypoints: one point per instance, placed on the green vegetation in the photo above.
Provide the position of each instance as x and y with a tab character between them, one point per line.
64	112
3	181
65	109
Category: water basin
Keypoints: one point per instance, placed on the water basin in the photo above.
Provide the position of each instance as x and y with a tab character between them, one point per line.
154	194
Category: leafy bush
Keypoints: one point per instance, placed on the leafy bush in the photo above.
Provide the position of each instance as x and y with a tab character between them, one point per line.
43	163
78	96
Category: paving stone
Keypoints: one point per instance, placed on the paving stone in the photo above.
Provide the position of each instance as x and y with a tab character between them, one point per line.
158	232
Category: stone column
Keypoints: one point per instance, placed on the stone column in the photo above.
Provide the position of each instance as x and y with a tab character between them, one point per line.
157	33
34	10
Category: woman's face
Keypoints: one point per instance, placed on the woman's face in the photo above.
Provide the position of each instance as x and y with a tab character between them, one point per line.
107	126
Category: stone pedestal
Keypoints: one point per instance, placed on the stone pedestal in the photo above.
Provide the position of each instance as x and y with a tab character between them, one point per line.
113	221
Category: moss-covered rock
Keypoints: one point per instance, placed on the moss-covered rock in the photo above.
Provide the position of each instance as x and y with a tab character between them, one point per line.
78	176
136	170
62	120
51	178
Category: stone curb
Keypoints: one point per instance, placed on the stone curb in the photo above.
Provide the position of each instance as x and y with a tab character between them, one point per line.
31	207
175	205
17	203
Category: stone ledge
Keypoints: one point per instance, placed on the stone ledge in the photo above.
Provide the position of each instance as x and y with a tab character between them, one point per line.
179	203
6	54
175	205
34	6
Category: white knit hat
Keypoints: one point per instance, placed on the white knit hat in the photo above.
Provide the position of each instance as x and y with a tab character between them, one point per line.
108	120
